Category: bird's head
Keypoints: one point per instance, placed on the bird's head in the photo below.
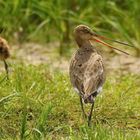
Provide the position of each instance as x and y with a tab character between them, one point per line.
83	32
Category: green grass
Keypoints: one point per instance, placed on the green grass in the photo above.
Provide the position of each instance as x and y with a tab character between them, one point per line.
39	103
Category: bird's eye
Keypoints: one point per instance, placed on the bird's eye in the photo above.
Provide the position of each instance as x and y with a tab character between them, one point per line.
86	31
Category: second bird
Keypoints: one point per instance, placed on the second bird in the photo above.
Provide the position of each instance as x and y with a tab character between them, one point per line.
4	53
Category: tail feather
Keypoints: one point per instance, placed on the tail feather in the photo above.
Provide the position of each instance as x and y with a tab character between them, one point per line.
91	98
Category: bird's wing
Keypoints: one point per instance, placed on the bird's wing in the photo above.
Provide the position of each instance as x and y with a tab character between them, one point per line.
94	75
76	70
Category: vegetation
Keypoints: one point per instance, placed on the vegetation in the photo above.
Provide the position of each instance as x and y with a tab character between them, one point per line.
53	20
40	104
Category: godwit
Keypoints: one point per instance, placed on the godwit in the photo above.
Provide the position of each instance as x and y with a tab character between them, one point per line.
4	53
87	73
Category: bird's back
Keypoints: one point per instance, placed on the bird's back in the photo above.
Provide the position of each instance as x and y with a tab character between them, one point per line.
87	73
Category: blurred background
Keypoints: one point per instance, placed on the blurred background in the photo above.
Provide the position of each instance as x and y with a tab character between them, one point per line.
45	21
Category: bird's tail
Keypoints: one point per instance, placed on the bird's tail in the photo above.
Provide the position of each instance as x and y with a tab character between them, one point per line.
91	98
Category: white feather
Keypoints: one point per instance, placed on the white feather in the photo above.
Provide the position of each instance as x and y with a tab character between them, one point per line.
99	89
76	90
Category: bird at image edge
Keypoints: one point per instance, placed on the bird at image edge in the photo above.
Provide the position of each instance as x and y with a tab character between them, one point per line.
4	53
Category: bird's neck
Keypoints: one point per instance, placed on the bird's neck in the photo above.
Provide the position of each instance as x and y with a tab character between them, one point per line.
83	43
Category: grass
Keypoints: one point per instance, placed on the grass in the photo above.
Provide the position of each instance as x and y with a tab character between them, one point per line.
46	21
39	103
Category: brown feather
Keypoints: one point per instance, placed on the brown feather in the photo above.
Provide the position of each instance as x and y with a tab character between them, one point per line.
87	72
4	49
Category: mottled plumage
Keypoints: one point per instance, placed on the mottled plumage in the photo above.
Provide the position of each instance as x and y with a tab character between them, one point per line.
87	72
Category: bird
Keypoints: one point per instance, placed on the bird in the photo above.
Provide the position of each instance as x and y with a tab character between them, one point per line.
87	69
4	53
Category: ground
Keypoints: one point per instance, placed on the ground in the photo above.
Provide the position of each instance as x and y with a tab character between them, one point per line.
38	102
32	53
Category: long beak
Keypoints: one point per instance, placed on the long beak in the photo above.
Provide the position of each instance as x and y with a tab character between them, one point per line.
96	37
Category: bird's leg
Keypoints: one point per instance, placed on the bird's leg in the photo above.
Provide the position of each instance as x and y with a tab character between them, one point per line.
6	68
90	114
82	107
